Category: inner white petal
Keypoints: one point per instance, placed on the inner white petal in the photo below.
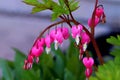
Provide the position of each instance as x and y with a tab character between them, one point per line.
85	47
48	50
77	39
56	44
87	78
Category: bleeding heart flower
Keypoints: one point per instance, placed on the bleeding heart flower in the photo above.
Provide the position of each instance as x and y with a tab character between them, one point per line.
57	37
40	42
36	51
28	62
76	32
85	38
48	41
88	62
65	32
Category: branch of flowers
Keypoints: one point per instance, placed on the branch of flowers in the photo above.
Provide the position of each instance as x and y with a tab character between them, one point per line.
90	35
93	42
47	28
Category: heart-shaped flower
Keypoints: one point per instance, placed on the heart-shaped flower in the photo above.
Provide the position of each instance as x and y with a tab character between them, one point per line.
76	32
41	42
88	62
36	51
65	32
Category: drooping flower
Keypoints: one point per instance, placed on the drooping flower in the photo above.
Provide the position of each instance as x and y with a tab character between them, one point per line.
76	32
40	42
36	51
88	62
65	32
93	24
28	62
57	37
48	41
85	39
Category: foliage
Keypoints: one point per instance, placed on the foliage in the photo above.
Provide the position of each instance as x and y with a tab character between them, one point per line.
110	70
61	66
58	9
113	40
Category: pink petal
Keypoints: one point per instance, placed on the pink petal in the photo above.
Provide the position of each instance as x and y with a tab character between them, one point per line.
65	33
41	42
37	51
88	62
99	12
85	38
59	37
48	41
88	72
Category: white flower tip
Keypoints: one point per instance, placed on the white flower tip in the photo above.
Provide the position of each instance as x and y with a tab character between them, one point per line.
56	45
87	78
85	47
48	50
77	40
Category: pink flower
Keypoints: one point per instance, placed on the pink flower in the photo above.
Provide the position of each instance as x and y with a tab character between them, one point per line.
36	51
88	72
76	32
48	41
28	62
40	42
99	12
57	35
85	38
94	23
88	62
65	32
30	58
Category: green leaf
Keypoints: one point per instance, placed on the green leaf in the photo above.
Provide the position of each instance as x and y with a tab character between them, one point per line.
61	2
20	73
116	52
32	2
38	9
113	40
110	69
69	75
74	5
72	49
6	71
55	16
75	66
